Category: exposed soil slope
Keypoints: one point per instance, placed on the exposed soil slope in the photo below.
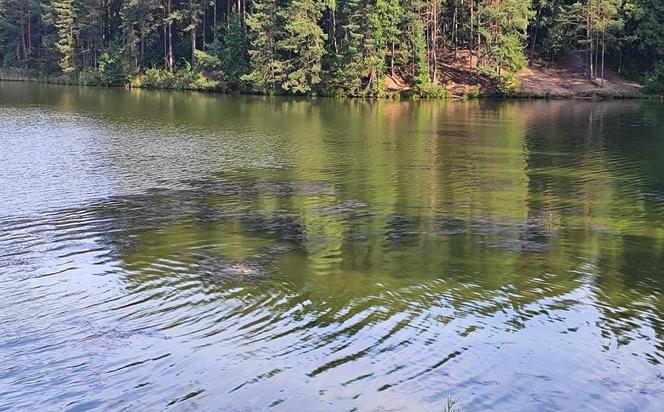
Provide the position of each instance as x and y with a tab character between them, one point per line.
569	79
565	79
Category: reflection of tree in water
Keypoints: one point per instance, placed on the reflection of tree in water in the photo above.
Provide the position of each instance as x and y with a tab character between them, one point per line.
537	215
394	243
580	173
207	230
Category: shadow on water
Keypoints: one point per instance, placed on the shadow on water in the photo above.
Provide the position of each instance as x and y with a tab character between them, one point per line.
222	252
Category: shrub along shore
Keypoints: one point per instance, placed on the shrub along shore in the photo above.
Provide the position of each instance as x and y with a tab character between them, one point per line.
372	48
188	79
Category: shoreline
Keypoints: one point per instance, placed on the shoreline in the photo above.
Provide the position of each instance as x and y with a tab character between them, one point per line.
598	95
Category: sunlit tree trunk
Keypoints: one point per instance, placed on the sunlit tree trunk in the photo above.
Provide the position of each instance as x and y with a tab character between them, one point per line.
472	34
589	39
603	50
170	39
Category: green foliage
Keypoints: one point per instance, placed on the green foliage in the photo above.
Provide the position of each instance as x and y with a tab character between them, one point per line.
473	92
433	91
154	78
206	62
233	52
654	83
188	78
348	65
508	84
112	68
504	33
14	15
386	18
302	46
416	60
335	47
488	73
184	78
509	52
266	69
63	18
140	20
649	34
89	78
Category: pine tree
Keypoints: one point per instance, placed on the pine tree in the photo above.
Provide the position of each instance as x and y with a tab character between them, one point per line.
267	70
343	47
384	38
651	27
192	13
303	45
504	30
141	25
11	34
89	32
348	68
387	17
233	51
64	16
417	44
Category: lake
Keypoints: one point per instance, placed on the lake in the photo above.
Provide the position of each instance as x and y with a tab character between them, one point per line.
184	251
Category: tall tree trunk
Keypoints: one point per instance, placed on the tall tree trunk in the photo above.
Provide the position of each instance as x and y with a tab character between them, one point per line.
170	39
22	51
534	31
142	48
101	25
603	49
193	46
192	16
455	29
334	31
29	21
590	46
478	46
472	34
620	59
434	40
214	20
596	55
392	59
165	34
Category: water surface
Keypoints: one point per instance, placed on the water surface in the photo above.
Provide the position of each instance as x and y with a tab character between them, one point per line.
174	251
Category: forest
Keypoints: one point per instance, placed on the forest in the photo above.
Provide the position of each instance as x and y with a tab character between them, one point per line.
325	47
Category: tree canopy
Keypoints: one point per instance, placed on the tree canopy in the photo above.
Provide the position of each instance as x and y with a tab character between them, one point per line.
340	47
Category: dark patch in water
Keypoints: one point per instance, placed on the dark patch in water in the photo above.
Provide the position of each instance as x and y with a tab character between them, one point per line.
347	208
401	229
447	226
225	269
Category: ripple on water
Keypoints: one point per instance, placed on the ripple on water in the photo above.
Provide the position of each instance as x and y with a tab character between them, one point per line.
502	268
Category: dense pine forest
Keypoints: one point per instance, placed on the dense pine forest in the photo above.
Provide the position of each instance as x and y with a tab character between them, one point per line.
325	47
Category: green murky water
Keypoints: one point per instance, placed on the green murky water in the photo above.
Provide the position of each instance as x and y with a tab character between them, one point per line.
200	252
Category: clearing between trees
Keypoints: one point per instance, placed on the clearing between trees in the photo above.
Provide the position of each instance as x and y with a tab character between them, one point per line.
567	78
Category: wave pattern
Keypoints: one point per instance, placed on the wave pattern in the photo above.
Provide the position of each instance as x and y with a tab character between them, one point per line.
487	255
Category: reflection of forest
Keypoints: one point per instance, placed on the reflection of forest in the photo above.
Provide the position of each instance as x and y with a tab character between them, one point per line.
333	254
510	203
487	206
